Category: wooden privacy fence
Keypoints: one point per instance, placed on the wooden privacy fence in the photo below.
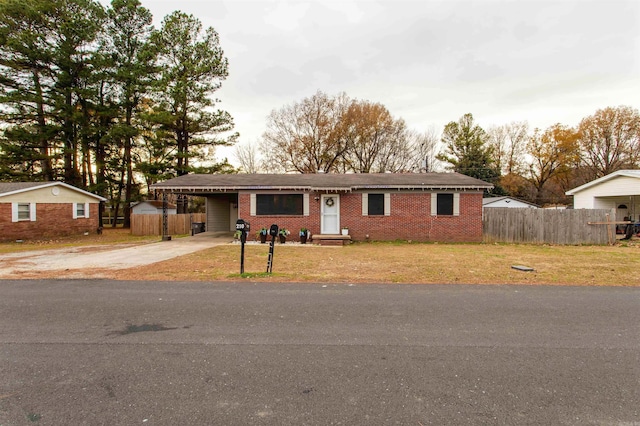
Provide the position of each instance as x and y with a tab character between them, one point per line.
510	225
151	224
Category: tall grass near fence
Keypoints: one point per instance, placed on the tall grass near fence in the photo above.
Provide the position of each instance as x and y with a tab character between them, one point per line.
151	224
583	226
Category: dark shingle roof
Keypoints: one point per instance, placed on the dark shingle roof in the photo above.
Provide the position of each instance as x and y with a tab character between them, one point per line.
320	182
6	187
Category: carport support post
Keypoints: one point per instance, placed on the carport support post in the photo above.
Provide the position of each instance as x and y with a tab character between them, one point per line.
165	218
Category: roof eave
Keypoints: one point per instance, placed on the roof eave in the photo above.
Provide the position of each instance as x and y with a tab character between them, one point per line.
600	180
49	184
212	189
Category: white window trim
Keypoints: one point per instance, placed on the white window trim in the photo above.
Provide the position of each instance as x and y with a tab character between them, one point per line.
15	215
305	204
387	204
434	203
252	204
75	211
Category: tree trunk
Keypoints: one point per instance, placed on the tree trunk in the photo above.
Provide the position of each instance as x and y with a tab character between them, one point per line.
45	161
129	172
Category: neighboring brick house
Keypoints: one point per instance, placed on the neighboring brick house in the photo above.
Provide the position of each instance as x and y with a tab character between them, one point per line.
35	210
384	206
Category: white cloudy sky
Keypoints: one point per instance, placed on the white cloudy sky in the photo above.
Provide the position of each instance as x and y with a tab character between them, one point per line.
428	62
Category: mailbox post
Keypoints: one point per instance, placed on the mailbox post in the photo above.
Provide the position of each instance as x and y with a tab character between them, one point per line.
244	227
273	231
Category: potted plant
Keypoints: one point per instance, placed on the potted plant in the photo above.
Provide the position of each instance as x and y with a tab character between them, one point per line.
345	230
283	234
304	233
262	233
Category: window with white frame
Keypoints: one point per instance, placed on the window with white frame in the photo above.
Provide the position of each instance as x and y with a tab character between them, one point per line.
376	204
445	204
23	212
80	210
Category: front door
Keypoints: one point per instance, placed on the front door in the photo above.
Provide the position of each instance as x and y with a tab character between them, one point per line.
330	214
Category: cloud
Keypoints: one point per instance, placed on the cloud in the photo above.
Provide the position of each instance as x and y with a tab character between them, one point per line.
428	62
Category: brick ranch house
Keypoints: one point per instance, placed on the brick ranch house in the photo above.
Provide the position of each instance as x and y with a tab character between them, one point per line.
35	210
443	207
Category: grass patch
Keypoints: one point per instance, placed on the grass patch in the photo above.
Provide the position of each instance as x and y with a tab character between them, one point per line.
379	262
407	263
34	418
251	275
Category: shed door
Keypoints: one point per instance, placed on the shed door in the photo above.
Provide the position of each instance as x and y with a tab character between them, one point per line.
330	214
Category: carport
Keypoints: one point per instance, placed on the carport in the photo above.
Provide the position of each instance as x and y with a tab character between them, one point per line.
221	207
619	190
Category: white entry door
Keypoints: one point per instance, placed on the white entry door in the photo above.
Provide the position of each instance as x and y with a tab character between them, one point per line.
330	214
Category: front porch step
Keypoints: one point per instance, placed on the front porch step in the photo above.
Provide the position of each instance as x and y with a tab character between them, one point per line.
331	239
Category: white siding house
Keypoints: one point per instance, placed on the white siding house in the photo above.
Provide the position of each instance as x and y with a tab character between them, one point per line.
509	202
619	190
152	207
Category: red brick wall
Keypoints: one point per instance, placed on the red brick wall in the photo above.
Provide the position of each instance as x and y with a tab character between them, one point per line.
410	219
52	220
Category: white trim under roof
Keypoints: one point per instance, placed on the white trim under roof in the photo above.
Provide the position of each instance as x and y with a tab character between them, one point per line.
626	173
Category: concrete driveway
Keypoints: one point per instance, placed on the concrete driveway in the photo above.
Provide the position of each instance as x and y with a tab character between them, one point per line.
107	257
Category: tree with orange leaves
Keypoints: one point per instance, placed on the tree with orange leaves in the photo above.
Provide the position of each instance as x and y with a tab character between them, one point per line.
553	153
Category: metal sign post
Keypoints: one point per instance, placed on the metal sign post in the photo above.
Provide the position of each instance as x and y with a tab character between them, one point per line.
273	231
244	229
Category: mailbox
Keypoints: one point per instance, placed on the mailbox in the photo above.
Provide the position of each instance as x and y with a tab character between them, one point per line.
273	231
242	225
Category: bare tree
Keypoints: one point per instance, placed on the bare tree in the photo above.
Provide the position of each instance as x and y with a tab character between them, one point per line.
247	156
509	144
610	140
397	154
303	137
426	146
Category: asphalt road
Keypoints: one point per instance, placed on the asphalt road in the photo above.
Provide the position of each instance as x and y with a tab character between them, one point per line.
124	353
